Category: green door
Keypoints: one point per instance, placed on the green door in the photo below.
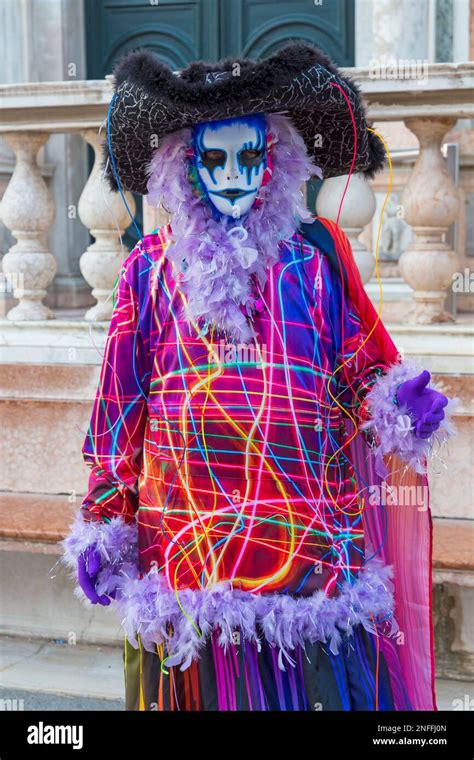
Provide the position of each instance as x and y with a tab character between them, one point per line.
180	31
256	28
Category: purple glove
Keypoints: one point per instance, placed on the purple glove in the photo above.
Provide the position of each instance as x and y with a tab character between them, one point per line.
424	405
88	567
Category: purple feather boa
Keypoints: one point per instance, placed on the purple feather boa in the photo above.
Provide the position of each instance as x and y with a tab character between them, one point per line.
184	620
117	543
215	258
393	425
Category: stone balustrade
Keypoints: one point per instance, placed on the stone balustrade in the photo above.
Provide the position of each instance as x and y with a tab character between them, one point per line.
30	113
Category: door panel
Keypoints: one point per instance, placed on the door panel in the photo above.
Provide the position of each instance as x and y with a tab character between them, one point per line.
178	32
257	28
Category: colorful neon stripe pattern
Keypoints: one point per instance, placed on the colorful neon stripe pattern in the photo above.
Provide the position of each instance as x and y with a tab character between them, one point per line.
234	455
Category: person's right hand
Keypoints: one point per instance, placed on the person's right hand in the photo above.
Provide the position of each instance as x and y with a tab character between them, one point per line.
88	568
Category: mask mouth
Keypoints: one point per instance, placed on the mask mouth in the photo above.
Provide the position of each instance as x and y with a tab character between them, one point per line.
232	193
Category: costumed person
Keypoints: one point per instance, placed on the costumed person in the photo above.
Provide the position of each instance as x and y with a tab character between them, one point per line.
254	423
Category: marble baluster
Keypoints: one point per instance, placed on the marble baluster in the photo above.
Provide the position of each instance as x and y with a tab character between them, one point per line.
357	210
27	210
103	212
430	203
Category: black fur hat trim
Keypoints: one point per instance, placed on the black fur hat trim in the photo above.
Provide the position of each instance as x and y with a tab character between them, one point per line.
151	101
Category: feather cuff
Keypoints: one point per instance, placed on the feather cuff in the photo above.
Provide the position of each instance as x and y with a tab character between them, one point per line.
117	543
393	425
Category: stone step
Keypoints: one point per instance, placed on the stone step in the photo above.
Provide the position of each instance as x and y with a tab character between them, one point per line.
35	521
36	591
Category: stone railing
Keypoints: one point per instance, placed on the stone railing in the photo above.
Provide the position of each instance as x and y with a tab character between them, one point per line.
30	113
430	201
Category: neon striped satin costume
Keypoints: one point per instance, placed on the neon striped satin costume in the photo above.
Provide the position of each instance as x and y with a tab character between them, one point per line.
247	425
254	570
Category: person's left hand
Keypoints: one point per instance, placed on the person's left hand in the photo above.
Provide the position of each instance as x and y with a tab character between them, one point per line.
424	405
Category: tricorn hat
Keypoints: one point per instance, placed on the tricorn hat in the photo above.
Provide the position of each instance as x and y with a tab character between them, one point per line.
151	101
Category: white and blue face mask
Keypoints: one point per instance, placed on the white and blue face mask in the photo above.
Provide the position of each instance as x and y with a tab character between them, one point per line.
230	159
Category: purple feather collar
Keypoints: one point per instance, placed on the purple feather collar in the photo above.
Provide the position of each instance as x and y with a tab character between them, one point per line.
217	261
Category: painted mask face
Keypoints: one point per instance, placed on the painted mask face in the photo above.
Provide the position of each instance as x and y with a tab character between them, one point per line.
230	158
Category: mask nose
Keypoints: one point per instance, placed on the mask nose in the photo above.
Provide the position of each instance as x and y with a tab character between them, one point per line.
232	170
